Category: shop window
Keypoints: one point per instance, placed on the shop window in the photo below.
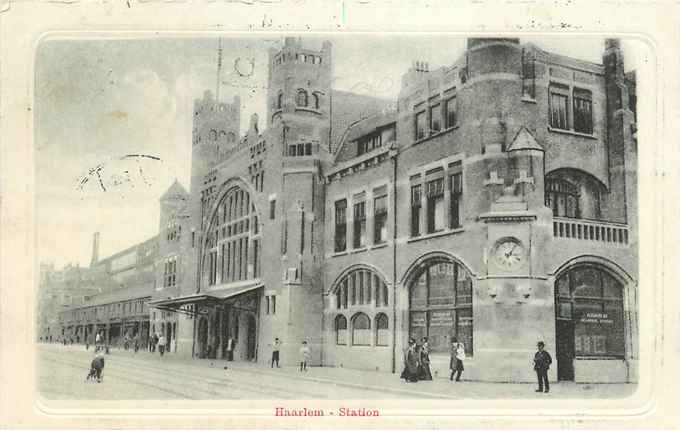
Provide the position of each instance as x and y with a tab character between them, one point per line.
340	225
440	302
359	224
301	98
420	125
382	332
435	119
435	205
594	304
559	104
361	330
380	215
416	206
340	330
583	111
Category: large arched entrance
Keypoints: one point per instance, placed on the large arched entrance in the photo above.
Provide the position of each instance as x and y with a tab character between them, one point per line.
440	304
589	316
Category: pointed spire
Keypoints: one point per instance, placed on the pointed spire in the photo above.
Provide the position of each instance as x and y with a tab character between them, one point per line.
524	140
175	192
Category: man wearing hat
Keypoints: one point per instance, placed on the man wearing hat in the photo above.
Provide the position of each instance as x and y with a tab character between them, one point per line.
542	361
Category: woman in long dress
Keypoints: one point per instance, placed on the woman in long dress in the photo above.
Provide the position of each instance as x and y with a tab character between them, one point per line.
425	374
411	362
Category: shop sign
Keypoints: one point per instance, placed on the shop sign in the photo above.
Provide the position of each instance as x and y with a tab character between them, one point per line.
418	321
596	317
464	321
441	318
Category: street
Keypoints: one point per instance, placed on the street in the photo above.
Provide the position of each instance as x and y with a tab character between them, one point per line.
128	376
62	372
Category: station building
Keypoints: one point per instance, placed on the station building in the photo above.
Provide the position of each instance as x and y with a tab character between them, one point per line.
495	200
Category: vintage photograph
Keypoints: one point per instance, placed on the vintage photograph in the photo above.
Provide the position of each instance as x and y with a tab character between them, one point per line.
424	216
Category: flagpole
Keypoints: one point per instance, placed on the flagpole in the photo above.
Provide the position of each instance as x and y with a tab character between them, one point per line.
219	69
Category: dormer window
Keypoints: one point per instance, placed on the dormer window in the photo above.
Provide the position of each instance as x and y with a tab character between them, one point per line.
301	99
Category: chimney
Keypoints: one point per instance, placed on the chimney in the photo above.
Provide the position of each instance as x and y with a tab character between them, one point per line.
95	249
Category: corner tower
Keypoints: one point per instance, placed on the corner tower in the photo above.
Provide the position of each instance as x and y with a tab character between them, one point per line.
299	82
298	124
214	133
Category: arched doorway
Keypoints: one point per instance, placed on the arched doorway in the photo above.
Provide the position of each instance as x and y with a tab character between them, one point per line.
252	338
589	317
440	304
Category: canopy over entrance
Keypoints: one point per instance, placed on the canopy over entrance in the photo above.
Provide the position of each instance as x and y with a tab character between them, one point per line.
190	304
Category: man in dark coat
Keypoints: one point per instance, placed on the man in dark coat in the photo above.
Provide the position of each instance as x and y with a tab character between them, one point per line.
542	362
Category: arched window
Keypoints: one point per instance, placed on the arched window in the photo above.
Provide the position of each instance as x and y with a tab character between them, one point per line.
231	138
440	303
574	194
382	332
361	330
232	250
301	99
562	197
341	330
590	306
279	101
315	96
361	287
213	135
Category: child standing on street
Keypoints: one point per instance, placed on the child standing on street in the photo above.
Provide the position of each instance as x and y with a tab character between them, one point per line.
305	354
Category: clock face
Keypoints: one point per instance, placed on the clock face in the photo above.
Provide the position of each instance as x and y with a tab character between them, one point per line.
509	254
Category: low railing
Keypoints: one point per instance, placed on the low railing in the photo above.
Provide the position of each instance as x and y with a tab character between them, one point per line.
598	231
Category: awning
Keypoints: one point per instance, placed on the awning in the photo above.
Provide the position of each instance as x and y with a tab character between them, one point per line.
208	298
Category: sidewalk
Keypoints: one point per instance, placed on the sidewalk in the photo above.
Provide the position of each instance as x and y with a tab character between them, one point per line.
390	382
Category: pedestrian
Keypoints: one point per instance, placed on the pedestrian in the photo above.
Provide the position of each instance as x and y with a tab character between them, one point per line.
136	343
230	348
153	342
542	362
96	368
457	356
276	347
424	374
161	344
305	354
411	362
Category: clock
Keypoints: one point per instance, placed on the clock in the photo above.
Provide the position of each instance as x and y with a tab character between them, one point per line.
509	253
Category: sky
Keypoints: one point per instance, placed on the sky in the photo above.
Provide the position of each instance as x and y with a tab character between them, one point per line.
113	118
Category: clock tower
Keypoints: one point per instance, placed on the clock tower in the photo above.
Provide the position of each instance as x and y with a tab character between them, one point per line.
515	287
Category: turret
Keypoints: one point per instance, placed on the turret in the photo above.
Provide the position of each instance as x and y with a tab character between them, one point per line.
299	81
